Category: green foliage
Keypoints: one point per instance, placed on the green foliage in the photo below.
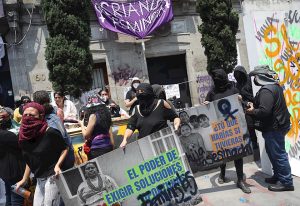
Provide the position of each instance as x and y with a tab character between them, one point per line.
219	27
69	65
68	56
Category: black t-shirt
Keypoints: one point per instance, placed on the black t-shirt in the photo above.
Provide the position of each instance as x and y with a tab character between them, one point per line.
42	154
154	122
131	95
12	164
215	95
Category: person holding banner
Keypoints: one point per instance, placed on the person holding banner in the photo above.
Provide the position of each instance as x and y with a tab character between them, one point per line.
44	151
273	120
150	115
223	88
245	89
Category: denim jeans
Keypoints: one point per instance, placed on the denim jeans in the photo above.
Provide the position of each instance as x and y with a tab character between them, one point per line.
46	192
12	199
275	148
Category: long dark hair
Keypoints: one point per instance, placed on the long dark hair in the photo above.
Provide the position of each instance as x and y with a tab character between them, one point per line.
104	121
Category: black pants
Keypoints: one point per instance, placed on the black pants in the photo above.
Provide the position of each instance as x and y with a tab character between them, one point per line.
238	163
94	153
251	130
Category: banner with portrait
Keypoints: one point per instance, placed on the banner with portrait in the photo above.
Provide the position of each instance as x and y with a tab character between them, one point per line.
149	171
214	133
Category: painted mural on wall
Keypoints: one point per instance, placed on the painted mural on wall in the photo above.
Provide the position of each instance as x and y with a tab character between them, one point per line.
277	43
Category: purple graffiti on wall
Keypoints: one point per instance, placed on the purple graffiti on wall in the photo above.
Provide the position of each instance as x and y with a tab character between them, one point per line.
204	85
123	74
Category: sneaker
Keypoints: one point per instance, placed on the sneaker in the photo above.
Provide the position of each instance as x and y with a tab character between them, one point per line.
271	180
243	187
280	187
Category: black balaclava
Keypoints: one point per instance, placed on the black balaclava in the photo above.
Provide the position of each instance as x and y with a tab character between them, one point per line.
220	80
146	97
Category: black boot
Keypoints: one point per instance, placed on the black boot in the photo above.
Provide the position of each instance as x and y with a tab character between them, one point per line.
271	180
240	184
280	187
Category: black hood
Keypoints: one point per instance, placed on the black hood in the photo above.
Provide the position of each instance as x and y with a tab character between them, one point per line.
159	91
220	79
241	76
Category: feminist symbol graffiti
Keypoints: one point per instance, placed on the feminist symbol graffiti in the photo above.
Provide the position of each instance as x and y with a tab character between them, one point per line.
224	107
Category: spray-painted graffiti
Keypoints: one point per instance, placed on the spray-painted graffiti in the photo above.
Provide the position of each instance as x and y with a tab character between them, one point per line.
124	73
278	43
204	85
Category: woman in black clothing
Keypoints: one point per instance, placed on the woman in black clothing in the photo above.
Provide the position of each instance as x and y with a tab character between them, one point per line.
131	99
223	88
244	86
44	151
12	163
150	115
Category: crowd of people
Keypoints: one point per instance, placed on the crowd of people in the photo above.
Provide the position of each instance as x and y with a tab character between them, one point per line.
34	141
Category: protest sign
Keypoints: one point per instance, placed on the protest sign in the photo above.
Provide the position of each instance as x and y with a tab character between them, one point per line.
139	18
172	90
150	171
214	133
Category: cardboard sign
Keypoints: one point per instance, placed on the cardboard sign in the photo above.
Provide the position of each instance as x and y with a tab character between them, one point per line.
214	133
150	171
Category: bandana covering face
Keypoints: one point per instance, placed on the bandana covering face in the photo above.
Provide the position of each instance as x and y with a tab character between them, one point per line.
31	127
145	95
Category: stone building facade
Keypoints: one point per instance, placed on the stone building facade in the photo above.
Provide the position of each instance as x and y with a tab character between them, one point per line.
171	55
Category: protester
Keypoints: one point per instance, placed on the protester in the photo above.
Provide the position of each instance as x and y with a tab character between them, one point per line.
95	186
150	115
270	110
160	93
97	134
245	90
68	107
12	163
19	110
131	99
44	151
113	107
53	121
223	88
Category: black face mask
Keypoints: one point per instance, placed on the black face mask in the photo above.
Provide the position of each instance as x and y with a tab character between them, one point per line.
240	77
146	103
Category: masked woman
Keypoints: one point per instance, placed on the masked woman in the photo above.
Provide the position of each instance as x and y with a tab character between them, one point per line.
130	99
44	151
223	88
150	115
112	105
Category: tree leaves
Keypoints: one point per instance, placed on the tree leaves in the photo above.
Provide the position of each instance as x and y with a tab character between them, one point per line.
68	56
219	27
